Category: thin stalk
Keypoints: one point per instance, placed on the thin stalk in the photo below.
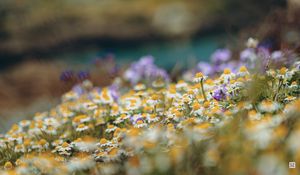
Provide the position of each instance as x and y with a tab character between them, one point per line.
202	89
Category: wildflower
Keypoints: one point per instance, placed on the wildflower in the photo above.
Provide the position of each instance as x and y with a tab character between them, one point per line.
19	148
220	93
132	103
110	128
181	85
8	165
243	72
106	97
221	56
290	98
227	76
252	43
206	68
81	128
85	144
253	115
153	118
282	74
41	144
64	149
139	87
158	83
104	143
268	106
199	77
140	124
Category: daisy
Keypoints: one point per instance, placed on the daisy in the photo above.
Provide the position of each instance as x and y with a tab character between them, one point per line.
57	142
199	77
64	149
243	71
158	83
140	124
154	99
181	85
106	96
110	128
153	118
282	73
41	144
24	123
113	154
8	166
100	155
268	106
104	143
139	87
253	115
20	148
85	144
132	103
290	98
81	128
227	76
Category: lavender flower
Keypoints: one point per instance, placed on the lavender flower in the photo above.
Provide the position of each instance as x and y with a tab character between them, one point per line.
78	89
145	69
67	75
276	55
114	90
220	93
83	75
221	56
205	68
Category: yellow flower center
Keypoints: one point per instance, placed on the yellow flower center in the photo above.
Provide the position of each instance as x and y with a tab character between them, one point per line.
283	70
8	165
103	141
199	75
227	71
206	104
243	69
42	142
65	145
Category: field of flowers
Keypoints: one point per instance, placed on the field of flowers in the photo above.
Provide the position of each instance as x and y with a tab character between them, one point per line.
229	116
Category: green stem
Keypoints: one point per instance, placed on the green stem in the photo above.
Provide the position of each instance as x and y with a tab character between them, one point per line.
279	88
202	89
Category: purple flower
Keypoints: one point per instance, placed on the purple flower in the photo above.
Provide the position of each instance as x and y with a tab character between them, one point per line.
67	75
221	56
78	89
232	65
248	54
144	69
205	68
82	75
114	92
277	55
263	53
220	93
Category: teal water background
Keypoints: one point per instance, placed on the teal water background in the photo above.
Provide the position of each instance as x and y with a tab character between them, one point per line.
166	54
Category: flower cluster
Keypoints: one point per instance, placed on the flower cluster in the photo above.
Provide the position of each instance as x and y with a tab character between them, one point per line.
145	70
238	122
256	57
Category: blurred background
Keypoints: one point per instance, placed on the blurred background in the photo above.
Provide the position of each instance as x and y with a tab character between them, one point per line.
43	42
